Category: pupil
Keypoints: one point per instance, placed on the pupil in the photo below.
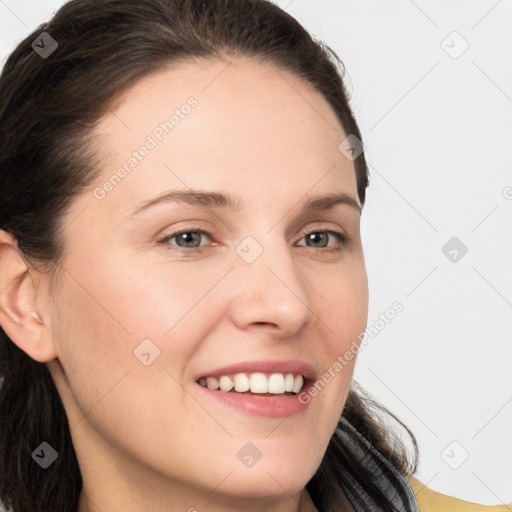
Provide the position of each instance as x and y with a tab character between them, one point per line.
314	235
185	237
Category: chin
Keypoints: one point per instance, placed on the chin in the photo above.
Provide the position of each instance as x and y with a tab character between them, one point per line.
278	483
277	473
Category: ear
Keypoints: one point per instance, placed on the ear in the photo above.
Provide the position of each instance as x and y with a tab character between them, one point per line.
20	318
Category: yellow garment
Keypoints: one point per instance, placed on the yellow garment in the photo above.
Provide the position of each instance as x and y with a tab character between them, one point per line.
433	501
428	501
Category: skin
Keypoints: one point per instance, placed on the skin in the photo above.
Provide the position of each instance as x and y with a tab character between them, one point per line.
145	436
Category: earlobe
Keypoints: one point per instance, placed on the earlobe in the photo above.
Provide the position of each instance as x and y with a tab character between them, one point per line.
19	316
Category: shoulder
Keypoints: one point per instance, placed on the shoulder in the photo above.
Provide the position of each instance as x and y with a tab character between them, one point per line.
433	501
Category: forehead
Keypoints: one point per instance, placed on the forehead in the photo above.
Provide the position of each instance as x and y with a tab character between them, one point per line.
237	123
234	99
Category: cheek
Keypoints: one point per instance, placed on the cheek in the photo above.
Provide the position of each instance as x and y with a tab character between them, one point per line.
92	340
162	296
343	309
343	313
158	315
98	332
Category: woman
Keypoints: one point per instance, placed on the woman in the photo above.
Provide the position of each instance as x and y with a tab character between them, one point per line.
181	267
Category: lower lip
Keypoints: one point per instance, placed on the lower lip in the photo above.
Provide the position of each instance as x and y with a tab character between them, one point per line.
269	406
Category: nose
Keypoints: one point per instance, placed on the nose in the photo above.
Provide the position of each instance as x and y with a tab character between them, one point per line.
271	292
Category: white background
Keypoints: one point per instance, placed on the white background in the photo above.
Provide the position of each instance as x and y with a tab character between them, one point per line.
437	130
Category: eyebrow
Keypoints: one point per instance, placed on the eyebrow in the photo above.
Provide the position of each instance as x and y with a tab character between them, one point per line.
218	200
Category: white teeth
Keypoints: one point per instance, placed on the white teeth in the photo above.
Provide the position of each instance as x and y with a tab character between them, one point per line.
299	382
259	383
288	382
226	384
241	382
276	383
212	383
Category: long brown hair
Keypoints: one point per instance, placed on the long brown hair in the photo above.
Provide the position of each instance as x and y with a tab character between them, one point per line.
48	107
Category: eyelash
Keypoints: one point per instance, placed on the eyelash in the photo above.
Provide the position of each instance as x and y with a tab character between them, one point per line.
341	237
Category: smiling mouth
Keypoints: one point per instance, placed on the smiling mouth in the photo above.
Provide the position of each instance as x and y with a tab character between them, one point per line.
257	383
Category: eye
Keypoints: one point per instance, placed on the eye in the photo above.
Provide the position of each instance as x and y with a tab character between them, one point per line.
190	239
320	238
185	239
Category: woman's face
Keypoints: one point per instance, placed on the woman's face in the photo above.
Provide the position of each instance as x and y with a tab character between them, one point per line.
142	315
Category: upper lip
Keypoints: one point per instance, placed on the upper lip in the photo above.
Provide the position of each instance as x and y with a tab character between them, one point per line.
264	366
